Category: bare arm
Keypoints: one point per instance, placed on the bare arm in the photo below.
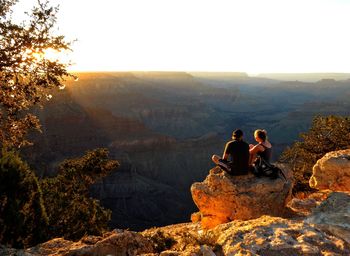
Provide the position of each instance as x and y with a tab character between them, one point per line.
253	150
225	155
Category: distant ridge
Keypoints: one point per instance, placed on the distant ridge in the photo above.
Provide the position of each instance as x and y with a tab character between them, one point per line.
220	74
162	74
305	77
237	76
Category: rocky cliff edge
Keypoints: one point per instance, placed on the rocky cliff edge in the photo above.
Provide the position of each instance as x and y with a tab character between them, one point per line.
322	229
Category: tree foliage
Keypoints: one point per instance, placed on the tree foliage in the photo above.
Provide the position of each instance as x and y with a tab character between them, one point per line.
23	219
72	212
326	134
26	74
28	216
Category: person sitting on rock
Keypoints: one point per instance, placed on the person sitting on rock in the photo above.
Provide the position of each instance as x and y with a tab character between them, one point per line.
238	151
263	149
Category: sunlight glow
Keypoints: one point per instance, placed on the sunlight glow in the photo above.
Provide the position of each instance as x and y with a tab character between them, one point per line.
207	35
52	55
48	54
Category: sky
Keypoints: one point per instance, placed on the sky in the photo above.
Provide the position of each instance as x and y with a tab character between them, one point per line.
253	36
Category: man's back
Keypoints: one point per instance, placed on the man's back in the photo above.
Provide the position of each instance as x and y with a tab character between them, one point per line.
239	156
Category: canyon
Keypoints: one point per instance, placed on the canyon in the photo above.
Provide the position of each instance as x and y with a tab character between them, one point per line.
163	128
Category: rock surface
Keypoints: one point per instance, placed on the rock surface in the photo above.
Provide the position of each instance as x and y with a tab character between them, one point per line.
333	215
222	198
332	172
305	205
118	242
269	236
264	236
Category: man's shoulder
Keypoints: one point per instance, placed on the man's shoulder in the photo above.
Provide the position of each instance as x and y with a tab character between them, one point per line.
232	142
238	143
245	143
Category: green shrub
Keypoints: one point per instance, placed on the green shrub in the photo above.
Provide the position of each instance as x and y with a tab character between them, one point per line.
23	220
326	134
72	212
160	241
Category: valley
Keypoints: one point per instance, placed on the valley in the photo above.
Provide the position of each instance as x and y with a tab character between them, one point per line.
163	128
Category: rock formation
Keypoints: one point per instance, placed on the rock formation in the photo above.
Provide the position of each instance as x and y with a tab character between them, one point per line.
276	236
332	172
118	242
222	198
265	236
333	215
304	206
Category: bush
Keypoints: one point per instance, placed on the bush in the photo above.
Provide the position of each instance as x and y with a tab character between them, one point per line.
23	220
72	212
160	241
326	134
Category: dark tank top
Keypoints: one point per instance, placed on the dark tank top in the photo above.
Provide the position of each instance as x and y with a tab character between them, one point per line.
266	154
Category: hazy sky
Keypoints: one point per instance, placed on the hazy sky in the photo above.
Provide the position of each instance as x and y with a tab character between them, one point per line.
254	36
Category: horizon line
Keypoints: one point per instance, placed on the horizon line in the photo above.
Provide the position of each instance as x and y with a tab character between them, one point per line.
202	71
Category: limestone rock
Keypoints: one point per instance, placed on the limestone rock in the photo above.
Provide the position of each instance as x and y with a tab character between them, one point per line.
333	215
304	206
170	253
182	238
196	217
332	172
222	198
267	236
118	242
276	236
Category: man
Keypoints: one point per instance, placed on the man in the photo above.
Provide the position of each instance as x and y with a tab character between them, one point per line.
238	151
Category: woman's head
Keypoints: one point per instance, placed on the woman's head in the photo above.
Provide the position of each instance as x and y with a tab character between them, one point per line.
260	135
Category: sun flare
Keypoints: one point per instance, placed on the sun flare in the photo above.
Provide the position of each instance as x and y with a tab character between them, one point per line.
253	36
48	54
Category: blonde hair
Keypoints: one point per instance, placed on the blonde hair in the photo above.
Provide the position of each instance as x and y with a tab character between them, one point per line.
262	134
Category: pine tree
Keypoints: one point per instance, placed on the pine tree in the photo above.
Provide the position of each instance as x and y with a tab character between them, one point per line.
326	134
23	219
71	211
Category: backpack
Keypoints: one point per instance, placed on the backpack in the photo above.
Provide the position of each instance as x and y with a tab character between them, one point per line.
264	169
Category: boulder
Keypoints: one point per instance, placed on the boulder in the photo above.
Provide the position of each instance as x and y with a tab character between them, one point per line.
302	206
305	205
333	215
332	172
222	198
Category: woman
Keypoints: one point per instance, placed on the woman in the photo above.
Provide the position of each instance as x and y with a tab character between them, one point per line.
262	149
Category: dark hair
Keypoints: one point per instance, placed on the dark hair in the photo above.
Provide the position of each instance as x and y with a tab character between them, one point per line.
237	134
262	134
